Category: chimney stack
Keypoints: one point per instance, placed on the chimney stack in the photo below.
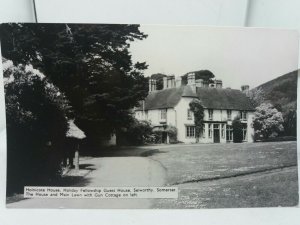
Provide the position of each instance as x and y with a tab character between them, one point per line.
219	83
165	82
191	78
178	82
152	85
171	81
199	83
191	81
245	89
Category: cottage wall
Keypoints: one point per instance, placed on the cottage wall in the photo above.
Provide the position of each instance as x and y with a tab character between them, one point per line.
178	117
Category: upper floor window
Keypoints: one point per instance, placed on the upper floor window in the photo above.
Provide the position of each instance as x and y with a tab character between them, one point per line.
243	115
190	114
210	114
163	114
229	112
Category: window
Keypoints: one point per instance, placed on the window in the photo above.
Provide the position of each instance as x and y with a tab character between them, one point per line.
190	114
223	131
229	112
209	130
210	114
190	131
163	114
244	132
243	115
229	133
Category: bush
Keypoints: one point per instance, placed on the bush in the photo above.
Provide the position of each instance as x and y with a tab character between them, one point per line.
140	132
36	128
237	130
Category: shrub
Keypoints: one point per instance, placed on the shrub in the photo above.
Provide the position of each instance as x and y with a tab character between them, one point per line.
36	128
268	121
140	132
237	130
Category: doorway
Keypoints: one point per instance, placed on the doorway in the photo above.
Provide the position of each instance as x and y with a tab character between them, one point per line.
216	133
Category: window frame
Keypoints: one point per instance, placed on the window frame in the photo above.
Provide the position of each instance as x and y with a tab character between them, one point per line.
229	133
190	131
243	115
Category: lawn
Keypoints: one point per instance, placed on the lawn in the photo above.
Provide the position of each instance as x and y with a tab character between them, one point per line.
230	175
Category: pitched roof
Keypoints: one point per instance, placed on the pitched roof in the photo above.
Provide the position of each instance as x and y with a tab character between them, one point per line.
219	98
74	131
214	98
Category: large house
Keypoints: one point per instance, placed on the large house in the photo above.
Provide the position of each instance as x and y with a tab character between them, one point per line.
170	107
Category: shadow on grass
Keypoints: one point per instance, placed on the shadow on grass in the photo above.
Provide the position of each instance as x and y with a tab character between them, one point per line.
65	181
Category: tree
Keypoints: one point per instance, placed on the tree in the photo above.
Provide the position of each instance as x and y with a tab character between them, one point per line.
290	123
91	64
268	121
36	128
237	129
206	75
257	96
198	110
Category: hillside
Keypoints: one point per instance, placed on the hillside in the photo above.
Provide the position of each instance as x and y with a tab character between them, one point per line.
281	92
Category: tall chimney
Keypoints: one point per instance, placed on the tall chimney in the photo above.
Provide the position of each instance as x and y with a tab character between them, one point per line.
191	81
219	83
178	82
245	89
153	85
165	82
171	81
191	78
150	85
199	83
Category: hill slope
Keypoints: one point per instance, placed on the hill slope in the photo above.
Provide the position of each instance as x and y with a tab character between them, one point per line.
281	92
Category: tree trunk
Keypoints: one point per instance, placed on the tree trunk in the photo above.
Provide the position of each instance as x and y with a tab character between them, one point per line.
77	158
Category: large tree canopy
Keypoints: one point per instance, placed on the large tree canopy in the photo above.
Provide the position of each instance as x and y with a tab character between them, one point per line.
206	75
91	64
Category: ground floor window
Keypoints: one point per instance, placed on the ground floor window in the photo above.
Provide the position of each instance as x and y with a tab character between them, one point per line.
244	132
190	131
229	133
223	131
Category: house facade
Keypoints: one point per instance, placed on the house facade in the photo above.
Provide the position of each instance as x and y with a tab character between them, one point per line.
170	107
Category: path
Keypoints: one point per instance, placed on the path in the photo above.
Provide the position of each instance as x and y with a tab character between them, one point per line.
111	172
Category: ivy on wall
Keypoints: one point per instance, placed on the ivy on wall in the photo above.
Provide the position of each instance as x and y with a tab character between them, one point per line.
197	108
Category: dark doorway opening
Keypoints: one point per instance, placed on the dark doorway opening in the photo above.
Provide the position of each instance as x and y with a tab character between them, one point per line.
216	133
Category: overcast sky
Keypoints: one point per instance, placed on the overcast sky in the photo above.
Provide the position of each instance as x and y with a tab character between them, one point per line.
236	55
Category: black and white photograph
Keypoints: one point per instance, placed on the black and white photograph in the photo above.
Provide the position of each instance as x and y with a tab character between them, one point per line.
208	111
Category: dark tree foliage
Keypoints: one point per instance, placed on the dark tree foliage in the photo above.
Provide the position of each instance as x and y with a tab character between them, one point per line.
159	80
206	75
237	128
198	110
290	123
91	64
36	129
138	133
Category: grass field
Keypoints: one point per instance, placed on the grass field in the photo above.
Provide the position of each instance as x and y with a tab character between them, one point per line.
231	175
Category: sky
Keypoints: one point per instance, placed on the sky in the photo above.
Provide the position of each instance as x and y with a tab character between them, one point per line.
238	56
